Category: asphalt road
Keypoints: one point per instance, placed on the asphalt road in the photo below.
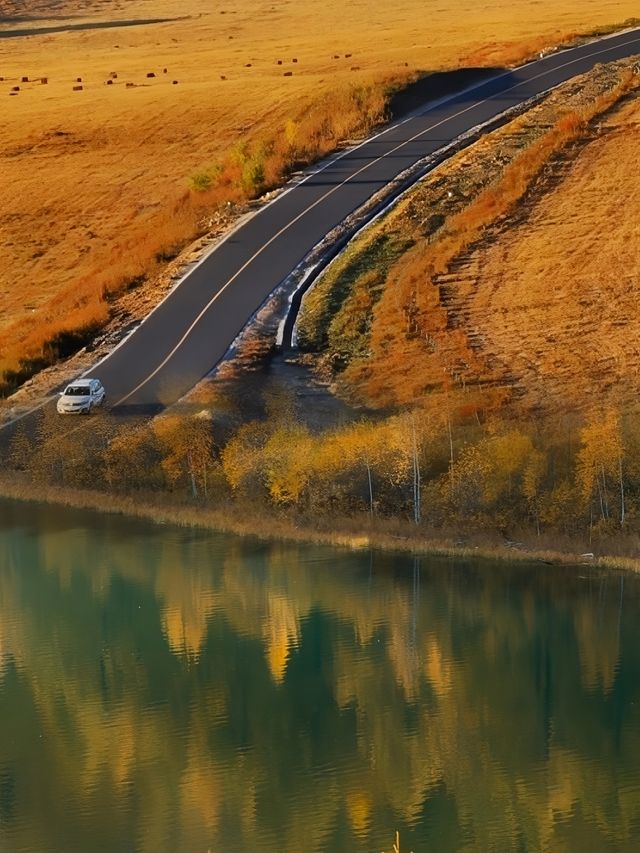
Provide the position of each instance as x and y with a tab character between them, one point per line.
191	330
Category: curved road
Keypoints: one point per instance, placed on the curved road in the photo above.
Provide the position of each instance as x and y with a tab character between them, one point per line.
190	331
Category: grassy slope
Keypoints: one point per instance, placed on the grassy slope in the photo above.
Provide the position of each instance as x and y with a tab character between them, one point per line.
556	294
94	182
541	305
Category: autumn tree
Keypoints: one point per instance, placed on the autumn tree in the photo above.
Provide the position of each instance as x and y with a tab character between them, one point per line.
131	459
186	448
600	466
241	458
21	449
348	455
287	463
60	451
532	477
495	474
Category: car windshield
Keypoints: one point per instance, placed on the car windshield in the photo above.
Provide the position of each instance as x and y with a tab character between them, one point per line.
77	391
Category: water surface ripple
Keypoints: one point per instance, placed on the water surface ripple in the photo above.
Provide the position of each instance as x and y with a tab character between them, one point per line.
166	690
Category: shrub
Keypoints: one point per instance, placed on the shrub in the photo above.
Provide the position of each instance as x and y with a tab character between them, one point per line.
253	177
200	182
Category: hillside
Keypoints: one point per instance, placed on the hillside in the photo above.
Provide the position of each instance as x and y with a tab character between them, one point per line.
489	315
101	184
553	295
531	301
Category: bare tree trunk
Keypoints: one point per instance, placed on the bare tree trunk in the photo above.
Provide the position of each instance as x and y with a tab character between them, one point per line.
604	490
600	496
194	487
451	450
366	462
622	507
416	477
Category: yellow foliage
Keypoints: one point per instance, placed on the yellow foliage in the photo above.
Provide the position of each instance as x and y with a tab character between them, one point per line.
241	455
359	808
288	463
126	458
186	445
533	473
493	469
600	453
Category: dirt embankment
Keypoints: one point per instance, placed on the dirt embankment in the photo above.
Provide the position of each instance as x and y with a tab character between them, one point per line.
550	297
540	307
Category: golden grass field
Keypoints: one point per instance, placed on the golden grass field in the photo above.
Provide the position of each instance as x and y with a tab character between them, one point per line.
94	183
554	298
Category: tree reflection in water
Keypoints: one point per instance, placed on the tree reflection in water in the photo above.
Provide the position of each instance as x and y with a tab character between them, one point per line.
167	690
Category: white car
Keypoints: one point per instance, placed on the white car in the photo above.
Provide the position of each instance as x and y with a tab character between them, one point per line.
81	396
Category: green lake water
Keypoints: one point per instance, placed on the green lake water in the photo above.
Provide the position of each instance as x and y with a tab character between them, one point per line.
169	690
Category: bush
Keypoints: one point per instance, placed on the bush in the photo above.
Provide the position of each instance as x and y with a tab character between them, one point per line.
253	175
201	182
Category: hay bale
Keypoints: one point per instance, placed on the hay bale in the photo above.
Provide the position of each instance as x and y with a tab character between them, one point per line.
150	74
288	74
24	79
77	88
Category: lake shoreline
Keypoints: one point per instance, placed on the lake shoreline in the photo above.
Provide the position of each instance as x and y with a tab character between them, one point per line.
355	533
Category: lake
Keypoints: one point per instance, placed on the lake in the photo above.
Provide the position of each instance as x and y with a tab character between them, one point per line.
166	689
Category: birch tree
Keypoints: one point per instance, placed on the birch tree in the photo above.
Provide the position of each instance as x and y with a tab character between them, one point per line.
600	466
186	447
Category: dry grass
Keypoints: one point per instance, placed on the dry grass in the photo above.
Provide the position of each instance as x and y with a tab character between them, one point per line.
355	532
96	182
555	297
460	307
